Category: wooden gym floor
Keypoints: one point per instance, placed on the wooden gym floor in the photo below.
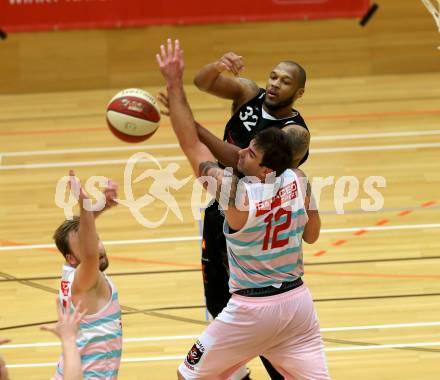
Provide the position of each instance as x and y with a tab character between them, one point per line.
374	275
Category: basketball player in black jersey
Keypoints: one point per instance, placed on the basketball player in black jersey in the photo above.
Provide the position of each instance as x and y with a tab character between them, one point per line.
253	109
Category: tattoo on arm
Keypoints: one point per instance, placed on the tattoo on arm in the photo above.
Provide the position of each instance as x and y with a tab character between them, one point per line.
205	167
228	188
309	189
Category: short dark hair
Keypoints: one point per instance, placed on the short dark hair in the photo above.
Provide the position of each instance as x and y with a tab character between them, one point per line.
301	140
61	235
277	148
302	77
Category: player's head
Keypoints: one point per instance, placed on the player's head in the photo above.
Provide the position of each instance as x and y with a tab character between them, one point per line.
286	84
301	141
271	150
67	241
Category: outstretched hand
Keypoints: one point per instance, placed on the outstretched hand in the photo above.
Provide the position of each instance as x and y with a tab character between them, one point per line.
230	62
170	60
111	194
68	322
75	187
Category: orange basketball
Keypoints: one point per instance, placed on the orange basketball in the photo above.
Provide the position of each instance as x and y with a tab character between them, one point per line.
133	115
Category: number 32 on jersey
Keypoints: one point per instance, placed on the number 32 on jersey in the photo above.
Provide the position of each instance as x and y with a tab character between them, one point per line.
248	118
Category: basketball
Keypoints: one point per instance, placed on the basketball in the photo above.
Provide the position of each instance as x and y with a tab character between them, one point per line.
133	115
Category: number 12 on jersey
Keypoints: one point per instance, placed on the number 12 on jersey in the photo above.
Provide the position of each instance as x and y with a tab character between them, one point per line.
276	242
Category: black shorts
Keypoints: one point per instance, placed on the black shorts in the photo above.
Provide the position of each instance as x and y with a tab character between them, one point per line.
214	261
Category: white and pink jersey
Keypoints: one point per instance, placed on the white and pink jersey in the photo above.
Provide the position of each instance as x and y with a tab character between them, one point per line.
267	251
99	338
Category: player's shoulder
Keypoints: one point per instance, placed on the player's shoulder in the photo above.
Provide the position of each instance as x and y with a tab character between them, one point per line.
296	119
249	92
250	84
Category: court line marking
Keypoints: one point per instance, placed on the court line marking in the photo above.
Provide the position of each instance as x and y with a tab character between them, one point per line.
183	337
72	164
183	158
173	146
360	136
181	357
198	238
378	223
205	122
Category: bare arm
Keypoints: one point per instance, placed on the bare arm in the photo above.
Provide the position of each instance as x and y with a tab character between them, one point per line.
4	375
3	370
182	119
226	194
66	330
313	227
202	160
224	152
87	273
210	79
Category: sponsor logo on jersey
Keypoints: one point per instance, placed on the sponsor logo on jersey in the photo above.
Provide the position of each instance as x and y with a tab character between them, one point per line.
283	195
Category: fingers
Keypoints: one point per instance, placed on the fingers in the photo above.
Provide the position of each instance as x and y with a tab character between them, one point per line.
177	50
169	48
112	185
83	194
170	60
111	190
59	307
77	315
159	60
50	328
74	184
231	62
163	98
4	340
169	52
163	53
80	316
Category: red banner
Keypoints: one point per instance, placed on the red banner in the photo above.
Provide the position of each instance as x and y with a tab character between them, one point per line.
31	15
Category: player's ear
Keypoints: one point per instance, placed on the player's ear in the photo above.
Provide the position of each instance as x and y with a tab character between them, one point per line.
71	259
299	93
266	171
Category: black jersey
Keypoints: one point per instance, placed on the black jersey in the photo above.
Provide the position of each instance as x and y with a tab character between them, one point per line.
248	120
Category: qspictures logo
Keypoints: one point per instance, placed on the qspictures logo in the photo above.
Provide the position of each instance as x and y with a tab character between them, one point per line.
165	183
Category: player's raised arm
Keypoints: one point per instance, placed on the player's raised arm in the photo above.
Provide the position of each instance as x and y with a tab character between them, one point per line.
170	60
224	152
111	194
87	273
171	64
211	79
